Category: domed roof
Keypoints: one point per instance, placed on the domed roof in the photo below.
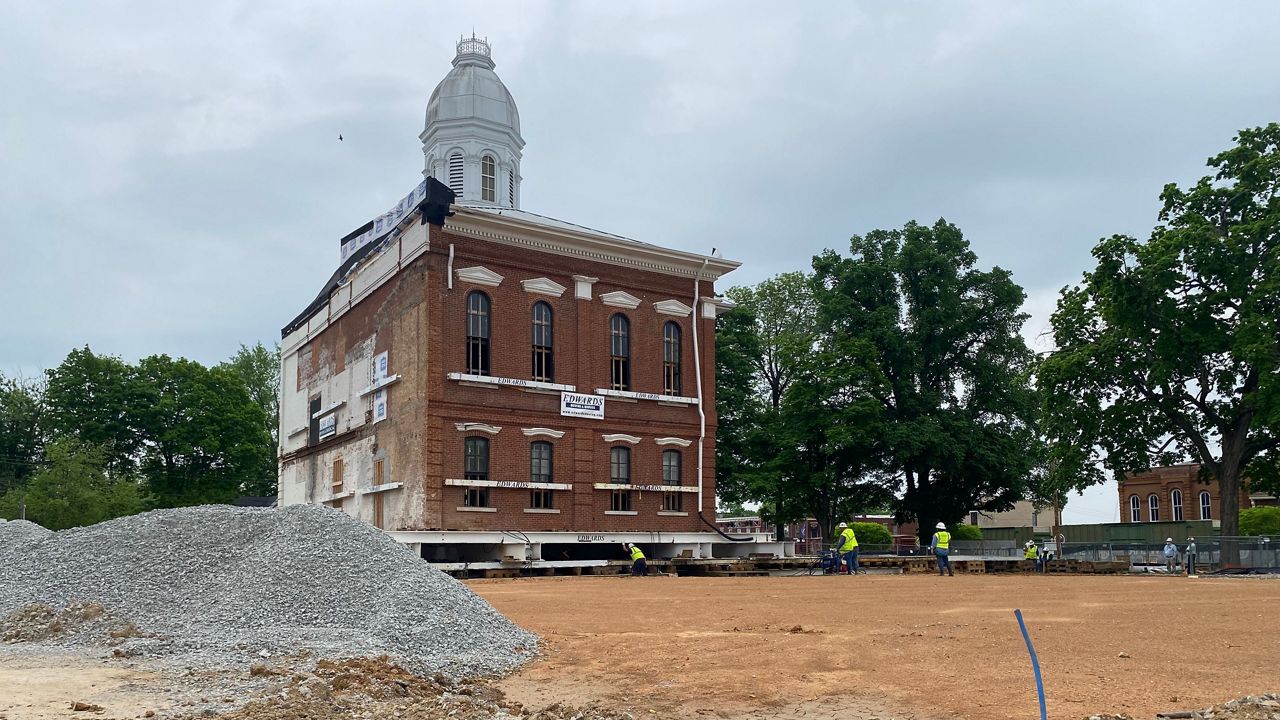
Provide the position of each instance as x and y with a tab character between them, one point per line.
472	91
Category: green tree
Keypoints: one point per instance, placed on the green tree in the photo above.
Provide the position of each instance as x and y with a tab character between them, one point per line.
869	533
204	438
92	398
966	532
259	369
759	348
72	489
1260	521
1170	348
21	430
910	322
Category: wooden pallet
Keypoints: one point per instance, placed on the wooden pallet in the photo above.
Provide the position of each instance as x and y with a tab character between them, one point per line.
737	573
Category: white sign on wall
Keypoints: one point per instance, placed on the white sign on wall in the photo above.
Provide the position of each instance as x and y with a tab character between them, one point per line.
379	397
328	425
583	406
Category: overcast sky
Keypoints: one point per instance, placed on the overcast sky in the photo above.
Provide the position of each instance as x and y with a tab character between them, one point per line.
171	179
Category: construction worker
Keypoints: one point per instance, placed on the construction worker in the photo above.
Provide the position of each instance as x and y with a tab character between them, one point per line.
1191	557
941	547
638	566
847	546
1031	551
1170	556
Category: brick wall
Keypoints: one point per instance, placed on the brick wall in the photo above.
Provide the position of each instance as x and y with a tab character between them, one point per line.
1161	482
581	346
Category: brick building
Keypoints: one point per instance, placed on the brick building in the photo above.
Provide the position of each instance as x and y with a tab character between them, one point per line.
1174	494
489	384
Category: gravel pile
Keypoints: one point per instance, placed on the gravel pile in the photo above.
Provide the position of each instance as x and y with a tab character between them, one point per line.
223	586
20	531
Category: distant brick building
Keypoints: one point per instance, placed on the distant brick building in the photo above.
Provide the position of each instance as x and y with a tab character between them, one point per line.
497	373
1174	494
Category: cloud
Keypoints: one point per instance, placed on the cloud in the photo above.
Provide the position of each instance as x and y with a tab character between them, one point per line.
170	179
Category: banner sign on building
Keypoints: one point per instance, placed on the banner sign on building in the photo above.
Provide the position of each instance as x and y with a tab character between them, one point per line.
328	425
379	397
583	406
386	221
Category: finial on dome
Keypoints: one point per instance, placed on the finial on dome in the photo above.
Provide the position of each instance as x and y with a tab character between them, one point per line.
473	49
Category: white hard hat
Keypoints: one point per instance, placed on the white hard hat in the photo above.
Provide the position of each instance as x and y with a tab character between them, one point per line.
1031	542
940	526
843	525
1168	539
1190	538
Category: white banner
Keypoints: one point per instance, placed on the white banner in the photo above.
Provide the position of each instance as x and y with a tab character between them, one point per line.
380	397
328	425
386	221
583	406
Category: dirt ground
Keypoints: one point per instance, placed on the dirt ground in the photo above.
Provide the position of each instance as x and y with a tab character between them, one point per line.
42	687
866	648
893	646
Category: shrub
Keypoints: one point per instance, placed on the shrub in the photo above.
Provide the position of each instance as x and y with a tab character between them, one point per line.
1260	521
869	533
966	532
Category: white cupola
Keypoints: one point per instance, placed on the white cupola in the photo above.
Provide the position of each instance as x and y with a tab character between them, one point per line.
472	141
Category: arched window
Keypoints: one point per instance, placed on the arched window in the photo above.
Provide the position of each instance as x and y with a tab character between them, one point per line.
1153	506
620	352
477	333
488	179
620	474
540	472
1175	505
455	174
671	475
671	358
475	453
1206	506
1135	509
543	358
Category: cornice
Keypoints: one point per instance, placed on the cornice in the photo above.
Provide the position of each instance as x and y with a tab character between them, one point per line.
510	230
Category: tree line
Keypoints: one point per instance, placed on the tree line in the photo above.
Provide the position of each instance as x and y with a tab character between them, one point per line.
97	437
895	376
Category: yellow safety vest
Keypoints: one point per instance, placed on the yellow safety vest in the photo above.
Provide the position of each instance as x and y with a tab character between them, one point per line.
944	540
850	540
1032	552
636	554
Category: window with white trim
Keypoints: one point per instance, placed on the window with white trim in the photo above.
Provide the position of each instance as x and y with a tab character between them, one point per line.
455	174
671	358
540	472
1153	507
620	474
1135	509
543	355
671	475
1175	504
620	352
1206	506
475	453
488	179
477	333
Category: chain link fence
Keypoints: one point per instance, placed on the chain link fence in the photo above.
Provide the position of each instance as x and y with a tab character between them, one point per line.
1254	553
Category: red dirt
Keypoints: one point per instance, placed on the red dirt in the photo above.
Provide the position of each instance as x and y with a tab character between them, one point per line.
893	646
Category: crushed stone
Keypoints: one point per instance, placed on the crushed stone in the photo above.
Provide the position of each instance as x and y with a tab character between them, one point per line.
13	532
218	587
